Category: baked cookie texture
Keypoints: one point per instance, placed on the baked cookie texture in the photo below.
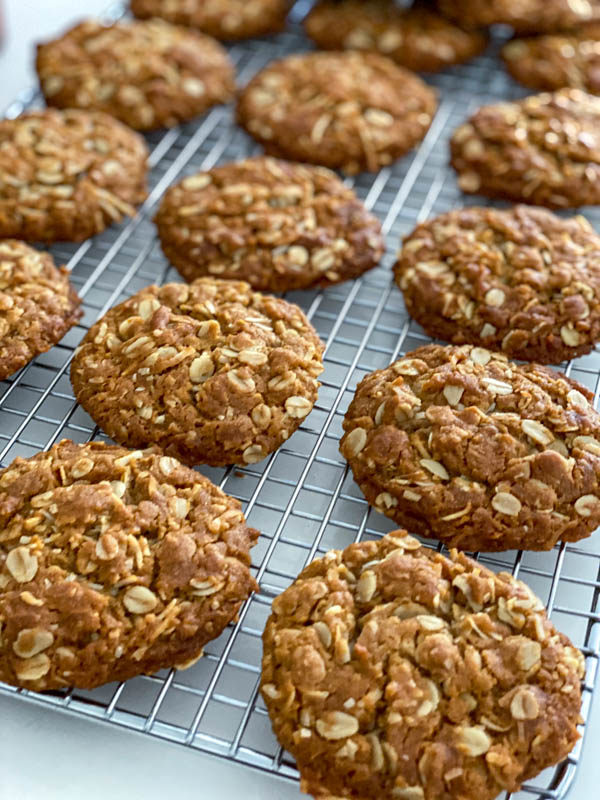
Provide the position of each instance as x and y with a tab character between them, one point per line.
38	305
391	671
522	281
556	60
416	38
147	74
459	444
113	563
543	150
353	111
525	16
277	225
213	373
67	174
223	19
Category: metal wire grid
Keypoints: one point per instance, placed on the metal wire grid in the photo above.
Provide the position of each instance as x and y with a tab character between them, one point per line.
301	498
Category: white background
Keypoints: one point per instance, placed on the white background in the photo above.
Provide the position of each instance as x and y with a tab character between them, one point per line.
45	755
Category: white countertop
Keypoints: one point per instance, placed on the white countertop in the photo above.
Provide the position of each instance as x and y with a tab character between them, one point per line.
46	754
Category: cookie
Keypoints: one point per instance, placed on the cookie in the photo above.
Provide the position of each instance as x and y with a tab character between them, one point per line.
277	225
223	19
391	671
543	150
67	175
522	281
416	38
556	60
147	74
38	305
525	16
351	110
213	372
113	564
459	444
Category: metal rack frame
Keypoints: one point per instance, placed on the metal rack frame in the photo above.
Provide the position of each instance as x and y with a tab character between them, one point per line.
301	498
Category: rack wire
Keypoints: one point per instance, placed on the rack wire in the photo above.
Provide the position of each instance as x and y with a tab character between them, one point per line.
301	498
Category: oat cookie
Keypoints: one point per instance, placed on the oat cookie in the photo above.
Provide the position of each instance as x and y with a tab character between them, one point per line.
113	563
351	110
38	305
223	19
67	175
275	224
556	60
391	671
544	150
523	281
417	38
459	444
147	74
525	16
213	372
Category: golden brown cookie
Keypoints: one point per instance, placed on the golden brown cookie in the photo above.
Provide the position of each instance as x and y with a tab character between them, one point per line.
525	16
213	372
147	74
544	150
38	305
460	444
522	281
392	672
416	38
351	111
223	19
277	225
113	564
67	174
550	62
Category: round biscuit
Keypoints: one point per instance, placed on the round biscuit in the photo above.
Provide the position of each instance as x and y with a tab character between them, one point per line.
459	444
113	563
521	280
38	305
392	671
211	372
147	74
280	226
67	175
351	111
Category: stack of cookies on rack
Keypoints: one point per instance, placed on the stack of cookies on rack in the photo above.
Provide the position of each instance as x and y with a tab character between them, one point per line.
390	669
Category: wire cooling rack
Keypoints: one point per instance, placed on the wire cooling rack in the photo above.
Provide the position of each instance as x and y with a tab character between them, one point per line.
301	498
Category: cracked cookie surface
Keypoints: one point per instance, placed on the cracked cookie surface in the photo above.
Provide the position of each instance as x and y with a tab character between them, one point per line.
277	225
543	150
391	671
349	110
38	305
416	38
212	372
223	19
113	563
67	175
525	16
522	281
461	445
147	74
